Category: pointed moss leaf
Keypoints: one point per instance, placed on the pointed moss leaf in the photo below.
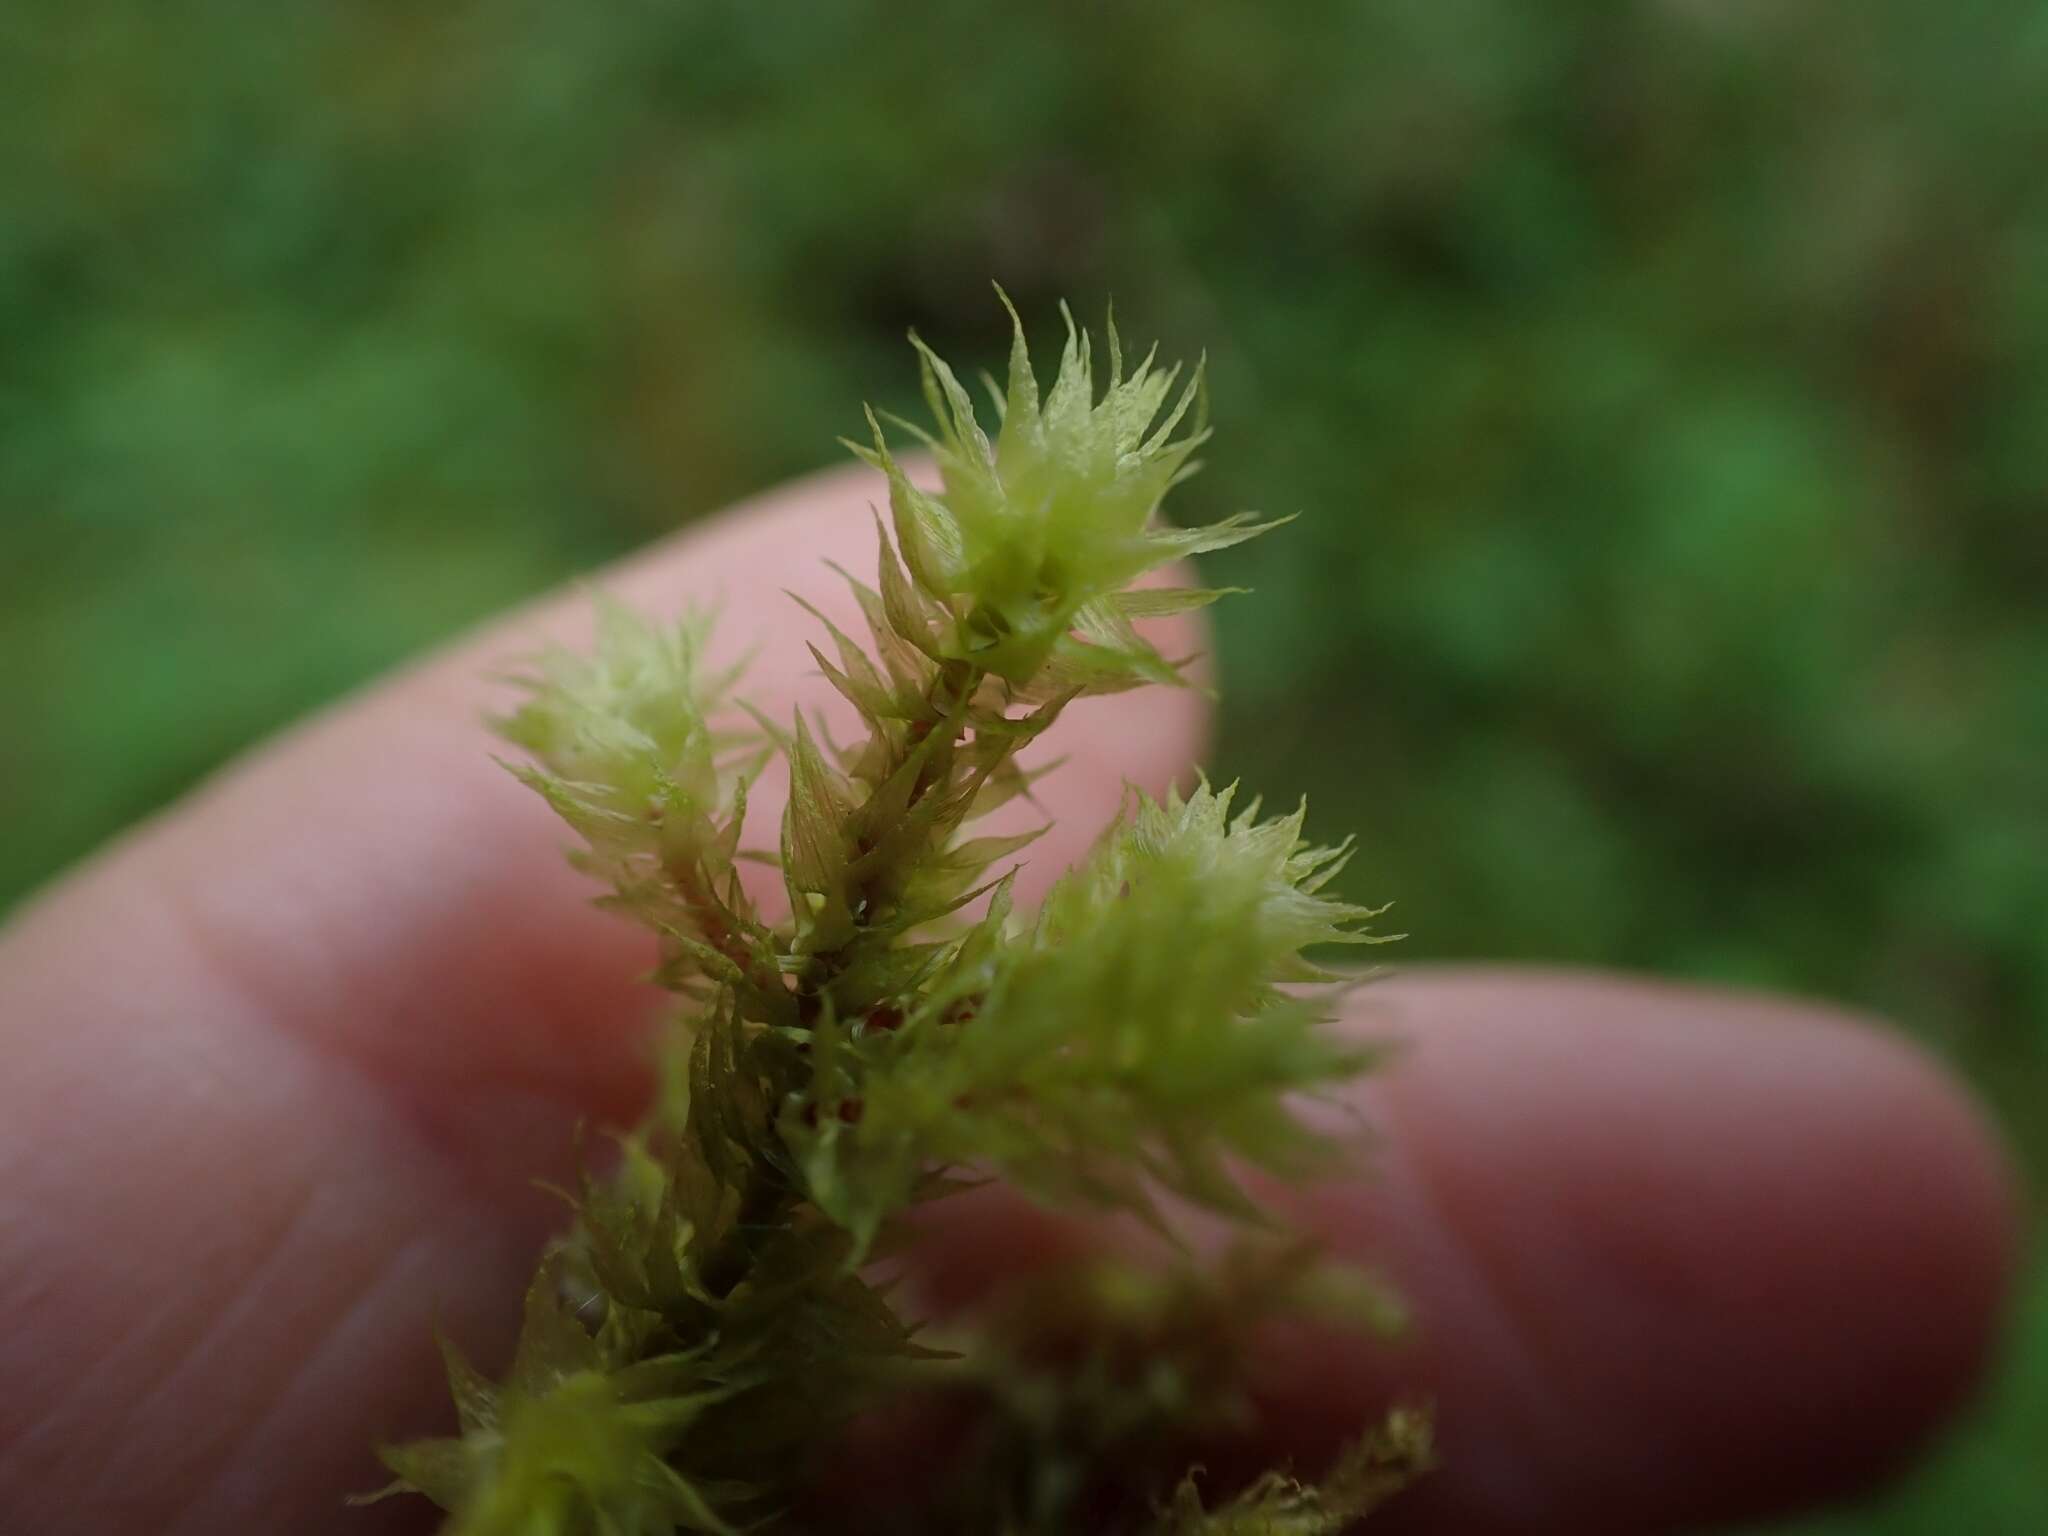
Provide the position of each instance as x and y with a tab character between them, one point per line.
1163	602
442	1470
476	1398
906	614
813	855
1370	1472
553	1342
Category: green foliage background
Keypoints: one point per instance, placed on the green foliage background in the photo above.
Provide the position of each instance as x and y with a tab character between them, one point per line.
1665	384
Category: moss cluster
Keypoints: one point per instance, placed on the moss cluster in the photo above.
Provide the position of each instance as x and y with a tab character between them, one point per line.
713	1320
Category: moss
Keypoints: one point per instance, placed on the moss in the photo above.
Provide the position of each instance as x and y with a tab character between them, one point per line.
710	1323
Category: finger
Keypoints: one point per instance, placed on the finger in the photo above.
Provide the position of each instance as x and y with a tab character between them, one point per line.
377	878
1675	1256
280	1064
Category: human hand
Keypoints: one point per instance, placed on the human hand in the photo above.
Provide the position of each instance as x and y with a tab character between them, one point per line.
280	1065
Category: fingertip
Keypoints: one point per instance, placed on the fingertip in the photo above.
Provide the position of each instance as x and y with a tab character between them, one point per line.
1675	1254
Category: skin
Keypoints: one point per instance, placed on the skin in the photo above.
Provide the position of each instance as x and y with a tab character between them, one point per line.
281	1063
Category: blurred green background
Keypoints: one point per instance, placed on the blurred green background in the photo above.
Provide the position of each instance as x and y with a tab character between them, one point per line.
1665	386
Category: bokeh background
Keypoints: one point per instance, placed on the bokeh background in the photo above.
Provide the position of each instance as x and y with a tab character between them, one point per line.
1664	386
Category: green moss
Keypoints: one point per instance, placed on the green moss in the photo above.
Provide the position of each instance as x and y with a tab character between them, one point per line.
709	1326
